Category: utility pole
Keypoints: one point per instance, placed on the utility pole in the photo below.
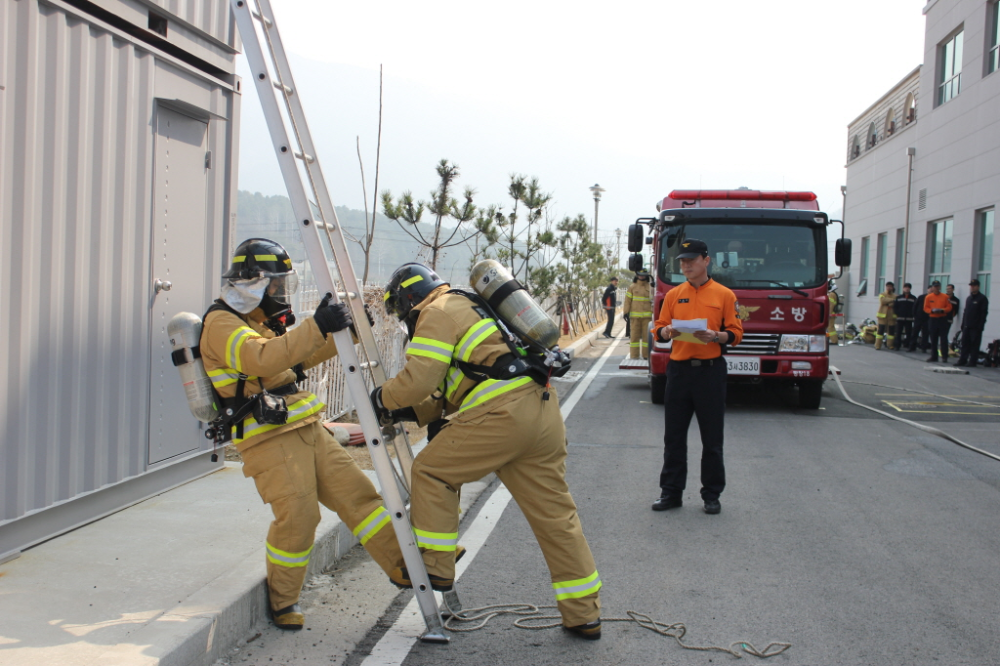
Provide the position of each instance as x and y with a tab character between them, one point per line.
596	189
618	249
910	152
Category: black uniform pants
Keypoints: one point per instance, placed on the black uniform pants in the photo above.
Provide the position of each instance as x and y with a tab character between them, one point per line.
939	336
694	390
919	338
904	333
611	320
972	340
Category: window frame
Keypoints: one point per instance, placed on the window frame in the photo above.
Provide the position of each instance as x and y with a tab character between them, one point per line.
881	254
982	271
949	83
863	266
943	270
993	40
900	257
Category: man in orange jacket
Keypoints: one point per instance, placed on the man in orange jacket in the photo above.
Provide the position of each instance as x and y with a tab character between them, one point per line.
937	306
696	376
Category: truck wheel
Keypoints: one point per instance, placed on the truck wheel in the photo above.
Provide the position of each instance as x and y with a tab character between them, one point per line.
657	388
810	394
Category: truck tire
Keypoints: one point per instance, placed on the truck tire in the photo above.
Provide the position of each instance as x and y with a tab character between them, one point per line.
810	394
657	388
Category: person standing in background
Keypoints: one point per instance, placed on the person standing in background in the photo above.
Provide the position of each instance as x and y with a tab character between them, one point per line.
955	302
886	317
937	306
610	302
977	307
638	309
920	322
904	310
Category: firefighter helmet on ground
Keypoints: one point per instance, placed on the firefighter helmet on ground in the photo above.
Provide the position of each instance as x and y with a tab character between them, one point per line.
408	286
262	276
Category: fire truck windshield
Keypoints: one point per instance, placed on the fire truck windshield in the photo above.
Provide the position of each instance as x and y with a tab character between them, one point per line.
751	256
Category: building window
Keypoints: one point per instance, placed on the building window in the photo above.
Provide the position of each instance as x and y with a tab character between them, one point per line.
993	30
950	68
890	122
855	147
872	137
863	280
984	250
940	246
910	109
900	258
880	254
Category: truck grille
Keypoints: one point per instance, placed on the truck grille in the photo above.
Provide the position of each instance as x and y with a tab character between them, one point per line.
756	344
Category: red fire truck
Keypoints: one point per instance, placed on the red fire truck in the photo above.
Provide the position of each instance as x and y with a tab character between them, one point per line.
770	248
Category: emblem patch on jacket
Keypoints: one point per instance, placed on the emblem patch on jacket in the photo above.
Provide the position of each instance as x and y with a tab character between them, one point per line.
683	300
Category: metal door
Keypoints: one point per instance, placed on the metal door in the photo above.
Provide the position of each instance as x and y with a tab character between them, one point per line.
180	180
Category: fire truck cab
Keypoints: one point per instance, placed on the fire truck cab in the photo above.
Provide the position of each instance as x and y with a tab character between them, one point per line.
770	248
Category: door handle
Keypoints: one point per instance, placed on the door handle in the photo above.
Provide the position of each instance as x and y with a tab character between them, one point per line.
161	285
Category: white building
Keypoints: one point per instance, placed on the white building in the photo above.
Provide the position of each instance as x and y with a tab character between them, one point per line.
934	136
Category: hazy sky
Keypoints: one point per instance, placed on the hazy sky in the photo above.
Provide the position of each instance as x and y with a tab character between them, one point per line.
639	97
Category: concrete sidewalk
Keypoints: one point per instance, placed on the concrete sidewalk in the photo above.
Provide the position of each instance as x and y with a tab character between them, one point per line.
176	580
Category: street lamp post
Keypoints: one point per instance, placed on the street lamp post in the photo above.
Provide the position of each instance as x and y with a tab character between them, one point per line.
596	189
618	249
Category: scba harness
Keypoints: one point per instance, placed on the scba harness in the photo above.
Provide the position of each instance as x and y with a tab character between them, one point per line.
521	361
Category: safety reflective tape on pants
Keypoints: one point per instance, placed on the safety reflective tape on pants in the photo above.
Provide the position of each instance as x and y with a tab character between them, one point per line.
286	559
446	541
439	351
491	388
296	412
640	315
574	589
370	526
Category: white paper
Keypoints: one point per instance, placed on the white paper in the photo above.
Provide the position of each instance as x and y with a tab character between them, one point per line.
689	325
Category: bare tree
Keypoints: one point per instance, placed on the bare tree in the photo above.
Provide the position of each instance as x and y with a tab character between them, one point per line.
369	237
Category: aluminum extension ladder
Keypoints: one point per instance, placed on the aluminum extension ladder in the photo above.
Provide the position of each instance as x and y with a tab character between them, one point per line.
300	170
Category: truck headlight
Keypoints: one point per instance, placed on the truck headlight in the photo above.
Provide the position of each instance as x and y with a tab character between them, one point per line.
802	343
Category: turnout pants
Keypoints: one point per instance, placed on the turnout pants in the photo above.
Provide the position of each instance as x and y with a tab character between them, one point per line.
889	333
294	472
694	390
972	340
939	336
524	442
639	338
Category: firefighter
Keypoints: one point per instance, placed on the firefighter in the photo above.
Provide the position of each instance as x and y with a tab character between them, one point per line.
493	425
831	330
886	317
696	377
638	308
904	310
294	461
937	306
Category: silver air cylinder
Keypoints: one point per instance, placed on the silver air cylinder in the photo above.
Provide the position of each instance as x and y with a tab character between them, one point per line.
185	337
520	312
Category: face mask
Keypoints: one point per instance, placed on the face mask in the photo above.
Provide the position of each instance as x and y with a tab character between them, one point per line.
244	295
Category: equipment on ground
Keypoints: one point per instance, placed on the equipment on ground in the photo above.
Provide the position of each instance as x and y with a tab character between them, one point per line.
515	306
184	330
323	239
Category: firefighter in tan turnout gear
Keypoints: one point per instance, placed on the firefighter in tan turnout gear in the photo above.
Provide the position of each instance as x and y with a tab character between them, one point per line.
640	311
500	423
294	461
886	317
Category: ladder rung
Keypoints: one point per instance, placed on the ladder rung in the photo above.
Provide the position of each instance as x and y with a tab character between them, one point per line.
320	224
347	294
307	158
371	364
263	19
283	88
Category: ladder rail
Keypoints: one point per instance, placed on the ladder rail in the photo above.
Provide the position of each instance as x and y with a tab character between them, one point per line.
354	372
328	212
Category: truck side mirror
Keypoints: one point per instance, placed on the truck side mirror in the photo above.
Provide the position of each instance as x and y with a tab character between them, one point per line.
842	252
636	234
635	262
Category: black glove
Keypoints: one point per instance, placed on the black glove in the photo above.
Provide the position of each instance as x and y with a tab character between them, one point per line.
404	414
332	318
625	316
382	413
434	427
368	313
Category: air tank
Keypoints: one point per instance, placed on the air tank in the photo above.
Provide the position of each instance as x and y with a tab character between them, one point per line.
185	337
509	299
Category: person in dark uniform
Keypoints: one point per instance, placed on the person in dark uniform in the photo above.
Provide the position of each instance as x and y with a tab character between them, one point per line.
610	302
977	307
955	302
696	376
905	305
920	323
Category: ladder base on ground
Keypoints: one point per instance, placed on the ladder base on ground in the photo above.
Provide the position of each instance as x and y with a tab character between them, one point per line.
634	364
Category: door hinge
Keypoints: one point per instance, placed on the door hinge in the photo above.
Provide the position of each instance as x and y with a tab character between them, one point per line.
208	159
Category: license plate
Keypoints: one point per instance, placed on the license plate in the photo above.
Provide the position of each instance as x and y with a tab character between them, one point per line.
743	365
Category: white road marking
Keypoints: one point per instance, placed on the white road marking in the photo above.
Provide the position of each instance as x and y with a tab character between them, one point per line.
397	642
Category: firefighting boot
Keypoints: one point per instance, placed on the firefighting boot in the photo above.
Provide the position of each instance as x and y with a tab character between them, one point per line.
291	618
878	342
400	577
591	631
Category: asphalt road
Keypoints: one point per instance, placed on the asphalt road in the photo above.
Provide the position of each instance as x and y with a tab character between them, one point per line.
857	539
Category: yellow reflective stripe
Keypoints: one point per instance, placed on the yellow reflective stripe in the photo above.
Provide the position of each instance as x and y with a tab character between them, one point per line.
452	382
491	388
880	314
386	296
443	541
296	412
439	351
412	280
641	315
265	257
286	559
370	526
239	260
474	337
581	587
225	377
640	298
628	294
235	343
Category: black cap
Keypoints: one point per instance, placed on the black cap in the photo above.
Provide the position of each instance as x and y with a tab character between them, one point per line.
974	283
936	283
908	285
692	248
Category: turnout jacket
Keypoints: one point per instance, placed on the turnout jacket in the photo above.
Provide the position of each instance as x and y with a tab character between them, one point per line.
904	307
886	314
450	328
977	307
637	302
232	344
